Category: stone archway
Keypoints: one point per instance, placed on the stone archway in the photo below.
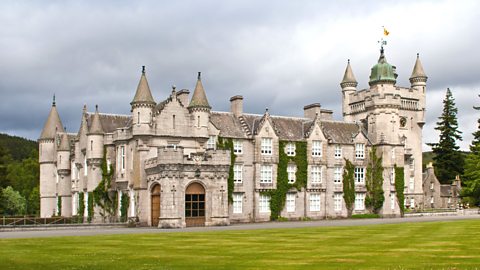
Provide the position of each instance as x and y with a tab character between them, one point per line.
155	205
195	205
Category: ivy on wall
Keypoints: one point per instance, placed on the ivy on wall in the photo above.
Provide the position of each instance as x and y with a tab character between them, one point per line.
278	195
90	207
103	197
227	144
124	203
349	186
374	182
81	204
59	206
399	188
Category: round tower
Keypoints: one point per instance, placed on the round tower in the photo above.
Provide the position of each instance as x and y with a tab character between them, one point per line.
349	87
200	109
47	159
94	151
64	185
142	107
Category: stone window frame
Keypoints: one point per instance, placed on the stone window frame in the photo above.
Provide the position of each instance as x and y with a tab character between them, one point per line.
360	151
291	170
337	201
290	203
316	174
337	151
212	142
237	147
317	148
264	203
266	146
359	175
290	149
237	204
266	173
359	201
237	173
315	202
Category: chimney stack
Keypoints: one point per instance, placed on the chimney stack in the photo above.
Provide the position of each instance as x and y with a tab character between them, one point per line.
236	105
312	110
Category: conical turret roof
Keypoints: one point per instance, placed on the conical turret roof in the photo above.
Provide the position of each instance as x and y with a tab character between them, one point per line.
199	98
418	69
348	77
64	143
53	123
96	126
143	94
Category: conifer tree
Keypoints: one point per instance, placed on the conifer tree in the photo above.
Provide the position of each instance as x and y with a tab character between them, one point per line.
374	182
448	160
349	186
471	178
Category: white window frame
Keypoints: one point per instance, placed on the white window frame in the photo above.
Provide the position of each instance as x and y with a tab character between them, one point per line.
359	151
267	146
392	201
412	203
411	164
316	174
317	148
291	171
266	174
411	183
85	167
338	151
359	201
337	201
315	202
359	174
108	165
432	200
212	142
337	174
290	203
392	175
237	203
290	149
431	186
264	204
237	147
122	158
237	173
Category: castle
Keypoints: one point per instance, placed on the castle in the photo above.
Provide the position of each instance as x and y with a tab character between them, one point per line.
168	167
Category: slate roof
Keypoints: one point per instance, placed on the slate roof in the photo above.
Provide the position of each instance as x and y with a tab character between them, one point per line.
340	132
52	125
228	124
110	122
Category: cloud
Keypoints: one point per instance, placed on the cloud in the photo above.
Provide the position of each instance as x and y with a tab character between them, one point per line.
277	54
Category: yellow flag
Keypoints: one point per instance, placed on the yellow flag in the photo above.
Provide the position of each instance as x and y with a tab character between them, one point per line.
385	32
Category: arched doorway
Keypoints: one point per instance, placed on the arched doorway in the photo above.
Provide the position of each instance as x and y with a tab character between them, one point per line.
195	205
155	201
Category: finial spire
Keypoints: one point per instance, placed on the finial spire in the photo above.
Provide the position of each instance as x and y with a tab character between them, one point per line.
199	75
96	107
53	103
143	69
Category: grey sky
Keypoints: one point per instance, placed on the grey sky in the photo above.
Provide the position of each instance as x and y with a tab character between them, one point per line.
277	54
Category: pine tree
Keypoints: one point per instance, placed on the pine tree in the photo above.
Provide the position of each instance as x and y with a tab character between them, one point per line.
448	160
471	177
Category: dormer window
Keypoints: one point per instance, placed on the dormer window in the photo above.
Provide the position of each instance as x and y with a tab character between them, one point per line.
291	170
290	149
316	148
266	146
360	151
237	147
338	151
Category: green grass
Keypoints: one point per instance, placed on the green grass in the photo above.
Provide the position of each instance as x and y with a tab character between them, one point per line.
435	245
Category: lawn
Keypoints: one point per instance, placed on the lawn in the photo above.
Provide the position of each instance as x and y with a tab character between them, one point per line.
428	245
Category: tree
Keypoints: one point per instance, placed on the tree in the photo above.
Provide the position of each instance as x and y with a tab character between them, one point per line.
5	160
448	160
374	182
11	202
400	188
471	177
103	196
349	186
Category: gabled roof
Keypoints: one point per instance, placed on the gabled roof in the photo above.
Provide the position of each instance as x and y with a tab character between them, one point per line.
53	124
229	125
143	93
340	132
110	122
286	128
199	98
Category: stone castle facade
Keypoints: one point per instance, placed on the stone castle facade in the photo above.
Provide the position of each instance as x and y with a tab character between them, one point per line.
165	159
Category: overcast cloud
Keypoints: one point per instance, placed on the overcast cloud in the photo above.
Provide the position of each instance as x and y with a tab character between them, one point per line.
277	54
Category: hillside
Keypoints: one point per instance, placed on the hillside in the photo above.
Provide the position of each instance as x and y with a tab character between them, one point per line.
18	148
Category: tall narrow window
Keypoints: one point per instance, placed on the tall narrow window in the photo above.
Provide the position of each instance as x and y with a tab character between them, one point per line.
359	201
211	143
337	201
237	173
173	121
360	151
266	174
411	185
392	175
109	163
91	145
138	118
266	146
237	147
122	157
290	149
291	202
359	173
85	169
411	164
337	175
264	204
316	148
338	151
314	202
316	174
237	203
392	201
198	121
291	170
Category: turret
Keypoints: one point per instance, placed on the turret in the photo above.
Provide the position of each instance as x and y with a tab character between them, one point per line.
94	151
47	158
382	72
81	151
200	109
418	77
349	86
64	185
142	107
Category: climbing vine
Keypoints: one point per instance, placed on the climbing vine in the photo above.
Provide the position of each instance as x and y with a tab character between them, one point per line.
59	206
399	188
81	204
349	186
124	203
227	144
278	195
102	195
90	207
374	182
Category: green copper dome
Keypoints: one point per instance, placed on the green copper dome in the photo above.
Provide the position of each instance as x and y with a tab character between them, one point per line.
382	72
